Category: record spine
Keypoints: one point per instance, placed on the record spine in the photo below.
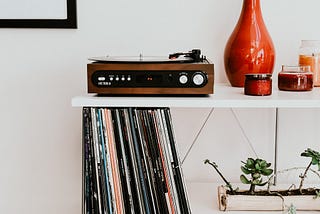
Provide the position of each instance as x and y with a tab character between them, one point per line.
133	123
114	163
97	159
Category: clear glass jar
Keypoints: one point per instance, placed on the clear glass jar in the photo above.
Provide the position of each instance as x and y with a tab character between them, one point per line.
309	54
295	78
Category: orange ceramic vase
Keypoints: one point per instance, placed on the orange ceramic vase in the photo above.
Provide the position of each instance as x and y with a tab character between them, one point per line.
249	48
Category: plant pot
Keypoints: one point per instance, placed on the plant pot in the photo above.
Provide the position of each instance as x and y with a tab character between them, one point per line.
265	203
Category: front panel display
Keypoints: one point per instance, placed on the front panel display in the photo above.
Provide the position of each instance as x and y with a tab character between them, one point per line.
155	78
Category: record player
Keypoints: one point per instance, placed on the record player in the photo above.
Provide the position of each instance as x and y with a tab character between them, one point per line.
179	74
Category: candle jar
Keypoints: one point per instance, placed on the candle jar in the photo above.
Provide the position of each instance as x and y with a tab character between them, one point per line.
295	78
309	54
258	84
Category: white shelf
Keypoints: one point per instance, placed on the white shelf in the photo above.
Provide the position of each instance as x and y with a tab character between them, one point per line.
203	196
224	96
203	199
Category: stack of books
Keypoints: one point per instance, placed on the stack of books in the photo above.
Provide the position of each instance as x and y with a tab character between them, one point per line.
131	163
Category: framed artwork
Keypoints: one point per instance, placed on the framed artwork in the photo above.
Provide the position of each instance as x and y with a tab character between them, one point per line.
38	14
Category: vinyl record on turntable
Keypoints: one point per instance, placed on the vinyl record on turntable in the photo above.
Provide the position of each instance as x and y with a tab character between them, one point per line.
140	59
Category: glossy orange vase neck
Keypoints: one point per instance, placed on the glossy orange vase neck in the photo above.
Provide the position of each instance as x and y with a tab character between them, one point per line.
251	10
251	4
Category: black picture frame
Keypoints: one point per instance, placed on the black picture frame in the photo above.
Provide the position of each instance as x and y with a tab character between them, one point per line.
69	22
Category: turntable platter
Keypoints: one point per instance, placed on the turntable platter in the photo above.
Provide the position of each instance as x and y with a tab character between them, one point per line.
140	59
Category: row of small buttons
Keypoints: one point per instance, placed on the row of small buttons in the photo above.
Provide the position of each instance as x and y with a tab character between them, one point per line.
116	78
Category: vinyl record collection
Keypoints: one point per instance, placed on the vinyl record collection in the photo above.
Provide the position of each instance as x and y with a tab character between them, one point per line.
131	163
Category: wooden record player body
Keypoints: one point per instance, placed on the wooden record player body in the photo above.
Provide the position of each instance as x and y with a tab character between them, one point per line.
205	66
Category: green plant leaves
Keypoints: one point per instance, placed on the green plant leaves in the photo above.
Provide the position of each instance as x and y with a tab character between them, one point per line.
314	161
317	194
244	180
250	163
256	175
245	170
262	184
314	155
263	163
256	168
256	181
266	172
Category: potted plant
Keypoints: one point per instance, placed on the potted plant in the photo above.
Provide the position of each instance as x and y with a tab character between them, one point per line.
257	172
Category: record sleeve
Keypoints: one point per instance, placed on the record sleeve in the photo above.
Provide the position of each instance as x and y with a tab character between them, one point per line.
137	151
156	161
180	182
108	161
86	178
114	162
96	158
170	160
164	161
149	178
106	192
92	168
133	164
122	160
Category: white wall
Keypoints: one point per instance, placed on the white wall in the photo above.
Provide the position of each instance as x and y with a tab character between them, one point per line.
42	69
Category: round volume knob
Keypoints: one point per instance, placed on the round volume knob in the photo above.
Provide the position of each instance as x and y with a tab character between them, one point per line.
199	79
183	79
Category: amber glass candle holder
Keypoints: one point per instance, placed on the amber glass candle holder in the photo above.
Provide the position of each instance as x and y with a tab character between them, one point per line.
295	78
258	84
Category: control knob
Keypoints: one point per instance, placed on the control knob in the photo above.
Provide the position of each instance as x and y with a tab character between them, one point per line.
183	79
199	78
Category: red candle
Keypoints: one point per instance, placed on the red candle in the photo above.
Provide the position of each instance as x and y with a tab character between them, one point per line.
295	78
258	84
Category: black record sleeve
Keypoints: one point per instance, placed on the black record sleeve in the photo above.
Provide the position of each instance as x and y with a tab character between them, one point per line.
87	194
152	144
179	179
147	163
133	166
137	149
94	166
166	159
101	172
106	192
122	160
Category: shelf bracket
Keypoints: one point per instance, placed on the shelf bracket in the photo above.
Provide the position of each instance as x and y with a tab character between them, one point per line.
243	132
197	135
276	130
